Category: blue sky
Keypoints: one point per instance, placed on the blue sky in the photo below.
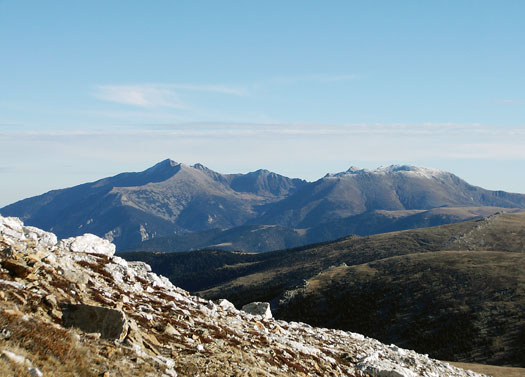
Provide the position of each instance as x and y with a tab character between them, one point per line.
91	89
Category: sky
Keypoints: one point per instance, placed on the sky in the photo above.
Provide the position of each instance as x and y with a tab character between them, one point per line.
302	88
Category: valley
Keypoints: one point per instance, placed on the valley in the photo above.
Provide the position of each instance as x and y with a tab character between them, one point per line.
419	288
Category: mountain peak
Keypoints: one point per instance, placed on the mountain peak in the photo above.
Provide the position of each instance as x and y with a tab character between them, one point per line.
162	170
391	170
167	162
410	169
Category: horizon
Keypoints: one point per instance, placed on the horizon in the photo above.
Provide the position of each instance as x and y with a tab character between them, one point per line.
90	90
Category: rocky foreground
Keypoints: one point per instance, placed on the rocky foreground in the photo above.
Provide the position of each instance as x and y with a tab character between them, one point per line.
71	307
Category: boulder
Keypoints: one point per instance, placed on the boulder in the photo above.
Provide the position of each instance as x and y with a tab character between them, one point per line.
258	308
16	268
39	236
379	366
225	304
88	243
110	323
140	267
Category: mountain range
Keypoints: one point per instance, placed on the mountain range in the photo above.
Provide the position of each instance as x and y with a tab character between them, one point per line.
173	206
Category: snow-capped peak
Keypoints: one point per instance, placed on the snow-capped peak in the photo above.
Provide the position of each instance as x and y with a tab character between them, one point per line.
391	170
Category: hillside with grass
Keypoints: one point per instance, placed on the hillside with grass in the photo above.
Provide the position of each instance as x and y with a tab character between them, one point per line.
72	308
460	281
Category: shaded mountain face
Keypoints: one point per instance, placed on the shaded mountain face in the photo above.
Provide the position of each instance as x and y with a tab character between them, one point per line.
263	238
174	200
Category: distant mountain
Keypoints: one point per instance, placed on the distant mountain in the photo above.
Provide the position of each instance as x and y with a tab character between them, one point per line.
258	211
166	199
390	188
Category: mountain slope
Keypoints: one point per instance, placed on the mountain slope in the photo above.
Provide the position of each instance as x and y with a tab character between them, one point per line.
81	311
462	280
262	238
422	301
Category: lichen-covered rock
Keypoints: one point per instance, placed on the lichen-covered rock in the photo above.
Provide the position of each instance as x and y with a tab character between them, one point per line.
88	243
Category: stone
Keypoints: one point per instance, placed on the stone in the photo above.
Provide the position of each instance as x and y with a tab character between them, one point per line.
120	261
14	231
258	308
16	268
44	239
225	305
140	267
13	284
35	372
111	324
88	243
170	330
378	366
14	358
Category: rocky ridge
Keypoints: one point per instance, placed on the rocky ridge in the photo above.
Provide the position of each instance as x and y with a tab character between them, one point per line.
72	307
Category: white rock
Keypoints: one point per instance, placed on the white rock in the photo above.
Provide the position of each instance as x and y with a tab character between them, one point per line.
13	357
258	308
13	223
120	261
43	238
117	272
35	372
13	284
50	259
88	243
226	305
14	232
140	267
12	229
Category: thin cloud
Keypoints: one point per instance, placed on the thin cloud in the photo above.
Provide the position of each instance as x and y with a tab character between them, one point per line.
159	95
139	95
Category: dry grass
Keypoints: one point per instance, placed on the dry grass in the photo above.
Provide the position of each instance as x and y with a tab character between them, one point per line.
52	349
492	370
60	352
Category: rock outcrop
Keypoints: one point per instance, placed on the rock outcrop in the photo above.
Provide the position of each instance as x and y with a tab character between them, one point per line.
88	243
126	320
